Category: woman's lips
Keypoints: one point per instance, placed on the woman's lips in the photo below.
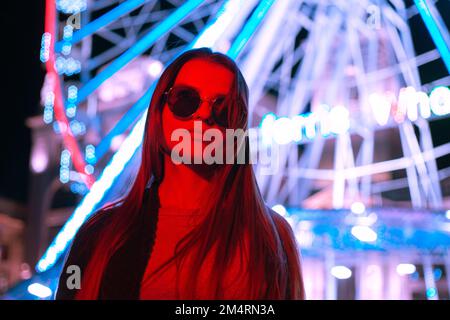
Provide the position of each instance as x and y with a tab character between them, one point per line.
196	135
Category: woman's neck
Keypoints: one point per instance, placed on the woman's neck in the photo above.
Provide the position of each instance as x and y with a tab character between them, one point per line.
184	186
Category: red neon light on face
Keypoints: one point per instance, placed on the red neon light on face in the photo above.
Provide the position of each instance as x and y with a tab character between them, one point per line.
210	80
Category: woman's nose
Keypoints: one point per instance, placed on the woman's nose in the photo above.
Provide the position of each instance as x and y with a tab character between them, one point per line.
204	111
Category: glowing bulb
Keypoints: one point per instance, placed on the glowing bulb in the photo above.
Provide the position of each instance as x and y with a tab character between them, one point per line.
71	110
279	208
405	269
64	174
431	292
65	158
89	169
358	207
155	68
364	233
72	6
90	153
437	274
45	45
341	272
25	272
72	93
39	290
67	32
39	157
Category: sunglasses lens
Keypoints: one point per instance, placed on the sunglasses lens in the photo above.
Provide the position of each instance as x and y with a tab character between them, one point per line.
183	102
220	112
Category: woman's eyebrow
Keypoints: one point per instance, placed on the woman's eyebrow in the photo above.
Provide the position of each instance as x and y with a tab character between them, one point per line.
199	90
185	85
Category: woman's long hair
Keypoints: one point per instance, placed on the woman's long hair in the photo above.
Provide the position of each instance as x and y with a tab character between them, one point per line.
234	208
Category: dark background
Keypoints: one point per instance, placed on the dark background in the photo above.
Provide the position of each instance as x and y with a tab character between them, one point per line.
22	25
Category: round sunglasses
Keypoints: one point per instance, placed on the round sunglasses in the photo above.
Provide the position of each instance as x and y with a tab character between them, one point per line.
184	101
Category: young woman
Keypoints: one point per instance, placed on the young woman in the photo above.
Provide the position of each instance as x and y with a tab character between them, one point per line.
189	230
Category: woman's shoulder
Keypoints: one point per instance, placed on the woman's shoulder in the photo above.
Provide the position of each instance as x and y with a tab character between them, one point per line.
289	241
285	231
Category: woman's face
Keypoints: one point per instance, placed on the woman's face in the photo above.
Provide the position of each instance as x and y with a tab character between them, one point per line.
210	80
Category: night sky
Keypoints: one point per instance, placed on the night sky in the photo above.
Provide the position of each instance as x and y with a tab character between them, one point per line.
23	24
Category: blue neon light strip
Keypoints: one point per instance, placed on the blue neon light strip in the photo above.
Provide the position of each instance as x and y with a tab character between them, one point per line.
122	125
101	22
140	47
98	190
249	28
434	31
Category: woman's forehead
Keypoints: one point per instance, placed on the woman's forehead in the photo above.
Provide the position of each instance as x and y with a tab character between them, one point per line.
207	77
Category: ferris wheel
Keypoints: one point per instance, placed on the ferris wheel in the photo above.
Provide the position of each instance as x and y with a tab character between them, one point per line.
331	84
346	76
